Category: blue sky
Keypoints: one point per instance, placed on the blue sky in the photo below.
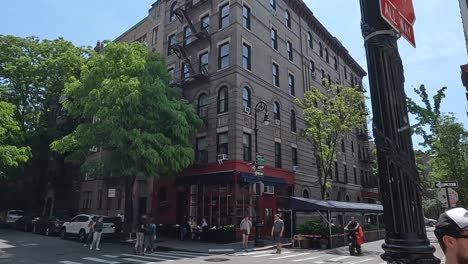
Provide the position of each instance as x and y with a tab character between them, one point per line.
435	62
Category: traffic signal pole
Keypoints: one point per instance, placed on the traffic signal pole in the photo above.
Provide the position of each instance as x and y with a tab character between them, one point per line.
406	240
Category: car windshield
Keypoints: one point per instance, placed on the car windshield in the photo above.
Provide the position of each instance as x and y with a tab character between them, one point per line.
111	219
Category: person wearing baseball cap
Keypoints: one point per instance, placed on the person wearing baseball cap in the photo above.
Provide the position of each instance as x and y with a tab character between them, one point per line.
452	232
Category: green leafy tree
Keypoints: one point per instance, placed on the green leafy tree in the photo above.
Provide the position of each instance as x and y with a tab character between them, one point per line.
129	110
451	159
10	156
427	115
329	115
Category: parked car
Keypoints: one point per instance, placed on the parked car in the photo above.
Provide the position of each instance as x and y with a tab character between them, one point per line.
12	216
26	222
78	227
429	221
48	225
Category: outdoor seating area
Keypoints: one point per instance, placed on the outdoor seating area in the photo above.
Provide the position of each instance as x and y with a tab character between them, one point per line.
321	223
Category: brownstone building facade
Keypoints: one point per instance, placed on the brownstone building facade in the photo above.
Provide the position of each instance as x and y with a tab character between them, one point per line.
226	56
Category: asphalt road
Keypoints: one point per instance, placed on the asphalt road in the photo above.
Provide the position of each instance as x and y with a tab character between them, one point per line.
20	247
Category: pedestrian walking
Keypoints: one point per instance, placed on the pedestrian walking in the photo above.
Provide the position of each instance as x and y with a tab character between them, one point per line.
140	236
451	231
245	226
184	229
98	226
149	236
277	232
89	238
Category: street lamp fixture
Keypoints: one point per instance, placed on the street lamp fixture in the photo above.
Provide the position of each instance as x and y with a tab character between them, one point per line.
259	107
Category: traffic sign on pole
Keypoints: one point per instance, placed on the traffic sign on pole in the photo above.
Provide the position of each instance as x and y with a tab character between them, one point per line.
446	184
400	15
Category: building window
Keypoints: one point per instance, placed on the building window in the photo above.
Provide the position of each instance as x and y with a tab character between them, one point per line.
222	143
276	111
224	16
312	69
352	80
275	73
345	72
247	142
328	79
246	64
223	54
345	169
187	35
171	40
290	50
223	100
355	175
185	71
355	81
323	77
327	59
305	194
202	106
294	156
347	198
274	39
343	147
204	63
277	155
352	146
201	156
362	178
154	40
337	173
335	63
310	41
293	121
246	98
205	23
292	88
246	17
287	17
273	4
320	49
99	195
172	15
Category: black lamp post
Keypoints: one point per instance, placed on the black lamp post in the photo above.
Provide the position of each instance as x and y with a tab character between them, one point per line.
405	241
260	106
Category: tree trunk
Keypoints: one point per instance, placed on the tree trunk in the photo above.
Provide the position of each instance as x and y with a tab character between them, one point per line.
128	219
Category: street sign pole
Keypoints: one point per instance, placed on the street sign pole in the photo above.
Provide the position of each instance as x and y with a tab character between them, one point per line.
406	239
448	198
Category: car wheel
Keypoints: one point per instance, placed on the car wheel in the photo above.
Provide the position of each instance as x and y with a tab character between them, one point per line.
82	236
47	232
63	234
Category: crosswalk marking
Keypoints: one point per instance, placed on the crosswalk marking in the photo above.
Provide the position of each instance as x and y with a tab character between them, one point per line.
339	258
291	256
69	262
252	253
186	253
304	259
360	261
178	254
270	254
146	257
110	256
135	260
101	260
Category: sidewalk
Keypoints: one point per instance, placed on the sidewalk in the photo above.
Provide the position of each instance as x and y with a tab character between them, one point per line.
166	243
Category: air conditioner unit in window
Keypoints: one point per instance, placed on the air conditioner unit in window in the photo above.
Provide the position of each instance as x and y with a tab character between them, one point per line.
277	122
269	190
93	149
222	157
294	168
247	109
313	75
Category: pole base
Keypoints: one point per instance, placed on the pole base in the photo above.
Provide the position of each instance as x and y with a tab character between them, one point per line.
409	251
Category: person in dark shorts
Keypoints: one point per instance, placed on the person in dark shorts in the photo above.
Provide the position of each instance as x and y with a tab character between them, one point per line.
89	239
277	232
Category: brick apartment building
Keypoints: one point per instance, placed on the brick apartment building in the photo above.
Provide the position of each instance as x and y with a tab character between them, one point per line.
226	56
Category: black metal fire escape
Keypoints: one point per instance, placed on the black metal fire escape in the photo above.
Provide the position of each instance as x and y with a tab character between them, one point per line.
198	34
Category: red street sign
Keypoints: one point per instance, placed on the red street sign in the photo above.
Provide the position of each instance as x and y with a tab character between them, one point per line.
400	15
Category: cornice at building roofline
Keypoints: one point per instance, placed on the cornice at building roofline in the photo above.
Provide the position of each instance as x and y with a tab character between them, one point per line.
304	11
